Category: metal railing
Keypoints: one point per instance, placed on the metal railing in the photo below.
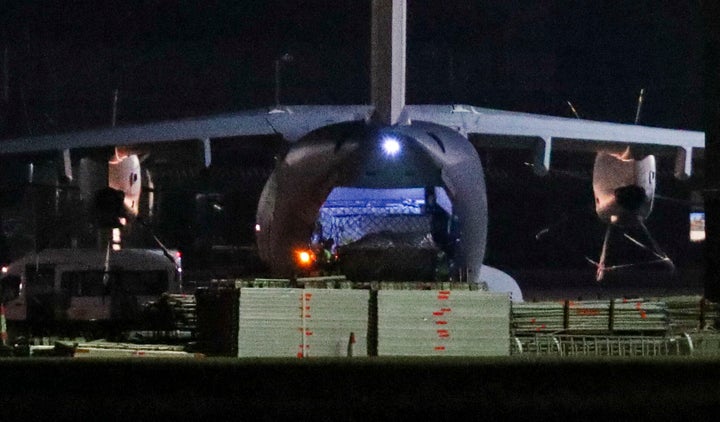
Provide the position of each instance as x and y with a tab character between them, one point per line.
585	345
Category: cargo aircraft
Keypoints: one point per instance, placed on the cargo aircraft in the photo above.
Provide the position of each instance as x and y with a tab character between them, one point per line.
387	144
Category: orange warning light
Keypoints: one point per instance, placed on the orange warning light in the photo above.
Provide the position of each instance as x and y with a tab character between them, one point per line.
304	257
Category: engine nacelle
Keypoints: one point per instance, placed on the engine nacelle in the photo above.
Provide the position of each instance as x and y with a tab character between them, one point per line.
624	188
124	176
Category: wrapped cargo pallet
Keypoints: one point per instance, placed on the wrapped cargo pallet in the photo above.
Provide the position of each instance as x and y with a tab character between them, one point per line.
302	322
443	323
335	322
269	323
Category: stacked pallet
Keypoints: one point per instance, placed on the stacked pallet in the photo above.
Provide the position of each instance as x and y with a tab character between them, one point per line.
327	282
589	315
425	285
690	313
270	324
217	323
335	322
302	322
128	350
442	323
271	283
537	317
184	310
639	315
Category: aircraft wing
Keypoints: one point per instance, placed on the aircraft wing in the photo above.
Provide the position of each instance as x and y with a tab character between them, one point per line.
292	122
541	132
502	129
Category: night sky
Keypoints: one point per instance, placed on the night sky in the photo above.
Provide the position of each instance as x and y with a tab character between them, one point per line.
172	59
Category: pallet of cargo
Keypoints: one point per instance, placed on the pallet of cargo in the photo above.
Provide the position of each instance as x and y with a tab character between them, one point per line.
638	315
302	322
538	317
103	349
442	323
691	313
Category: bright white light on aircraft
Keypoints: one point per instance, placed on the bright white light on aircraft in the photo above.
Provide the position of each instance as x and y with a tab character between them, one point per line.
4	270
116	236
391	146
257	227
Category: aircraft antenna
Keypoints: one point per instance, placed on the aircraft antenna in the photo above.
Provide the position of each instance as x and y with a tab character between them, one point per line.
285	58
572	108
639	105
25	111
114	107
6	77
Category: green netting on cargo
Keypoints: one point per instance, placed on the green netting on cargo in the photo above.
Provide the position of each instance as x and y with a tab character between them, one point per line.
348	228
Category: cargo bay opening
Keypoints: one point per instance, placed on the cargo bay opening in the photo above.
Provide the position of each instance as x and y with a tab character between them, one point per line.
357	157
387	234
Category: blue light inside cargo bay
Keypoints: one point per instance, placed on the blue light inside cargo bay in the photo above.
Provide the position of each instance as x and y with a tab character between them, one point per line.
350	213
